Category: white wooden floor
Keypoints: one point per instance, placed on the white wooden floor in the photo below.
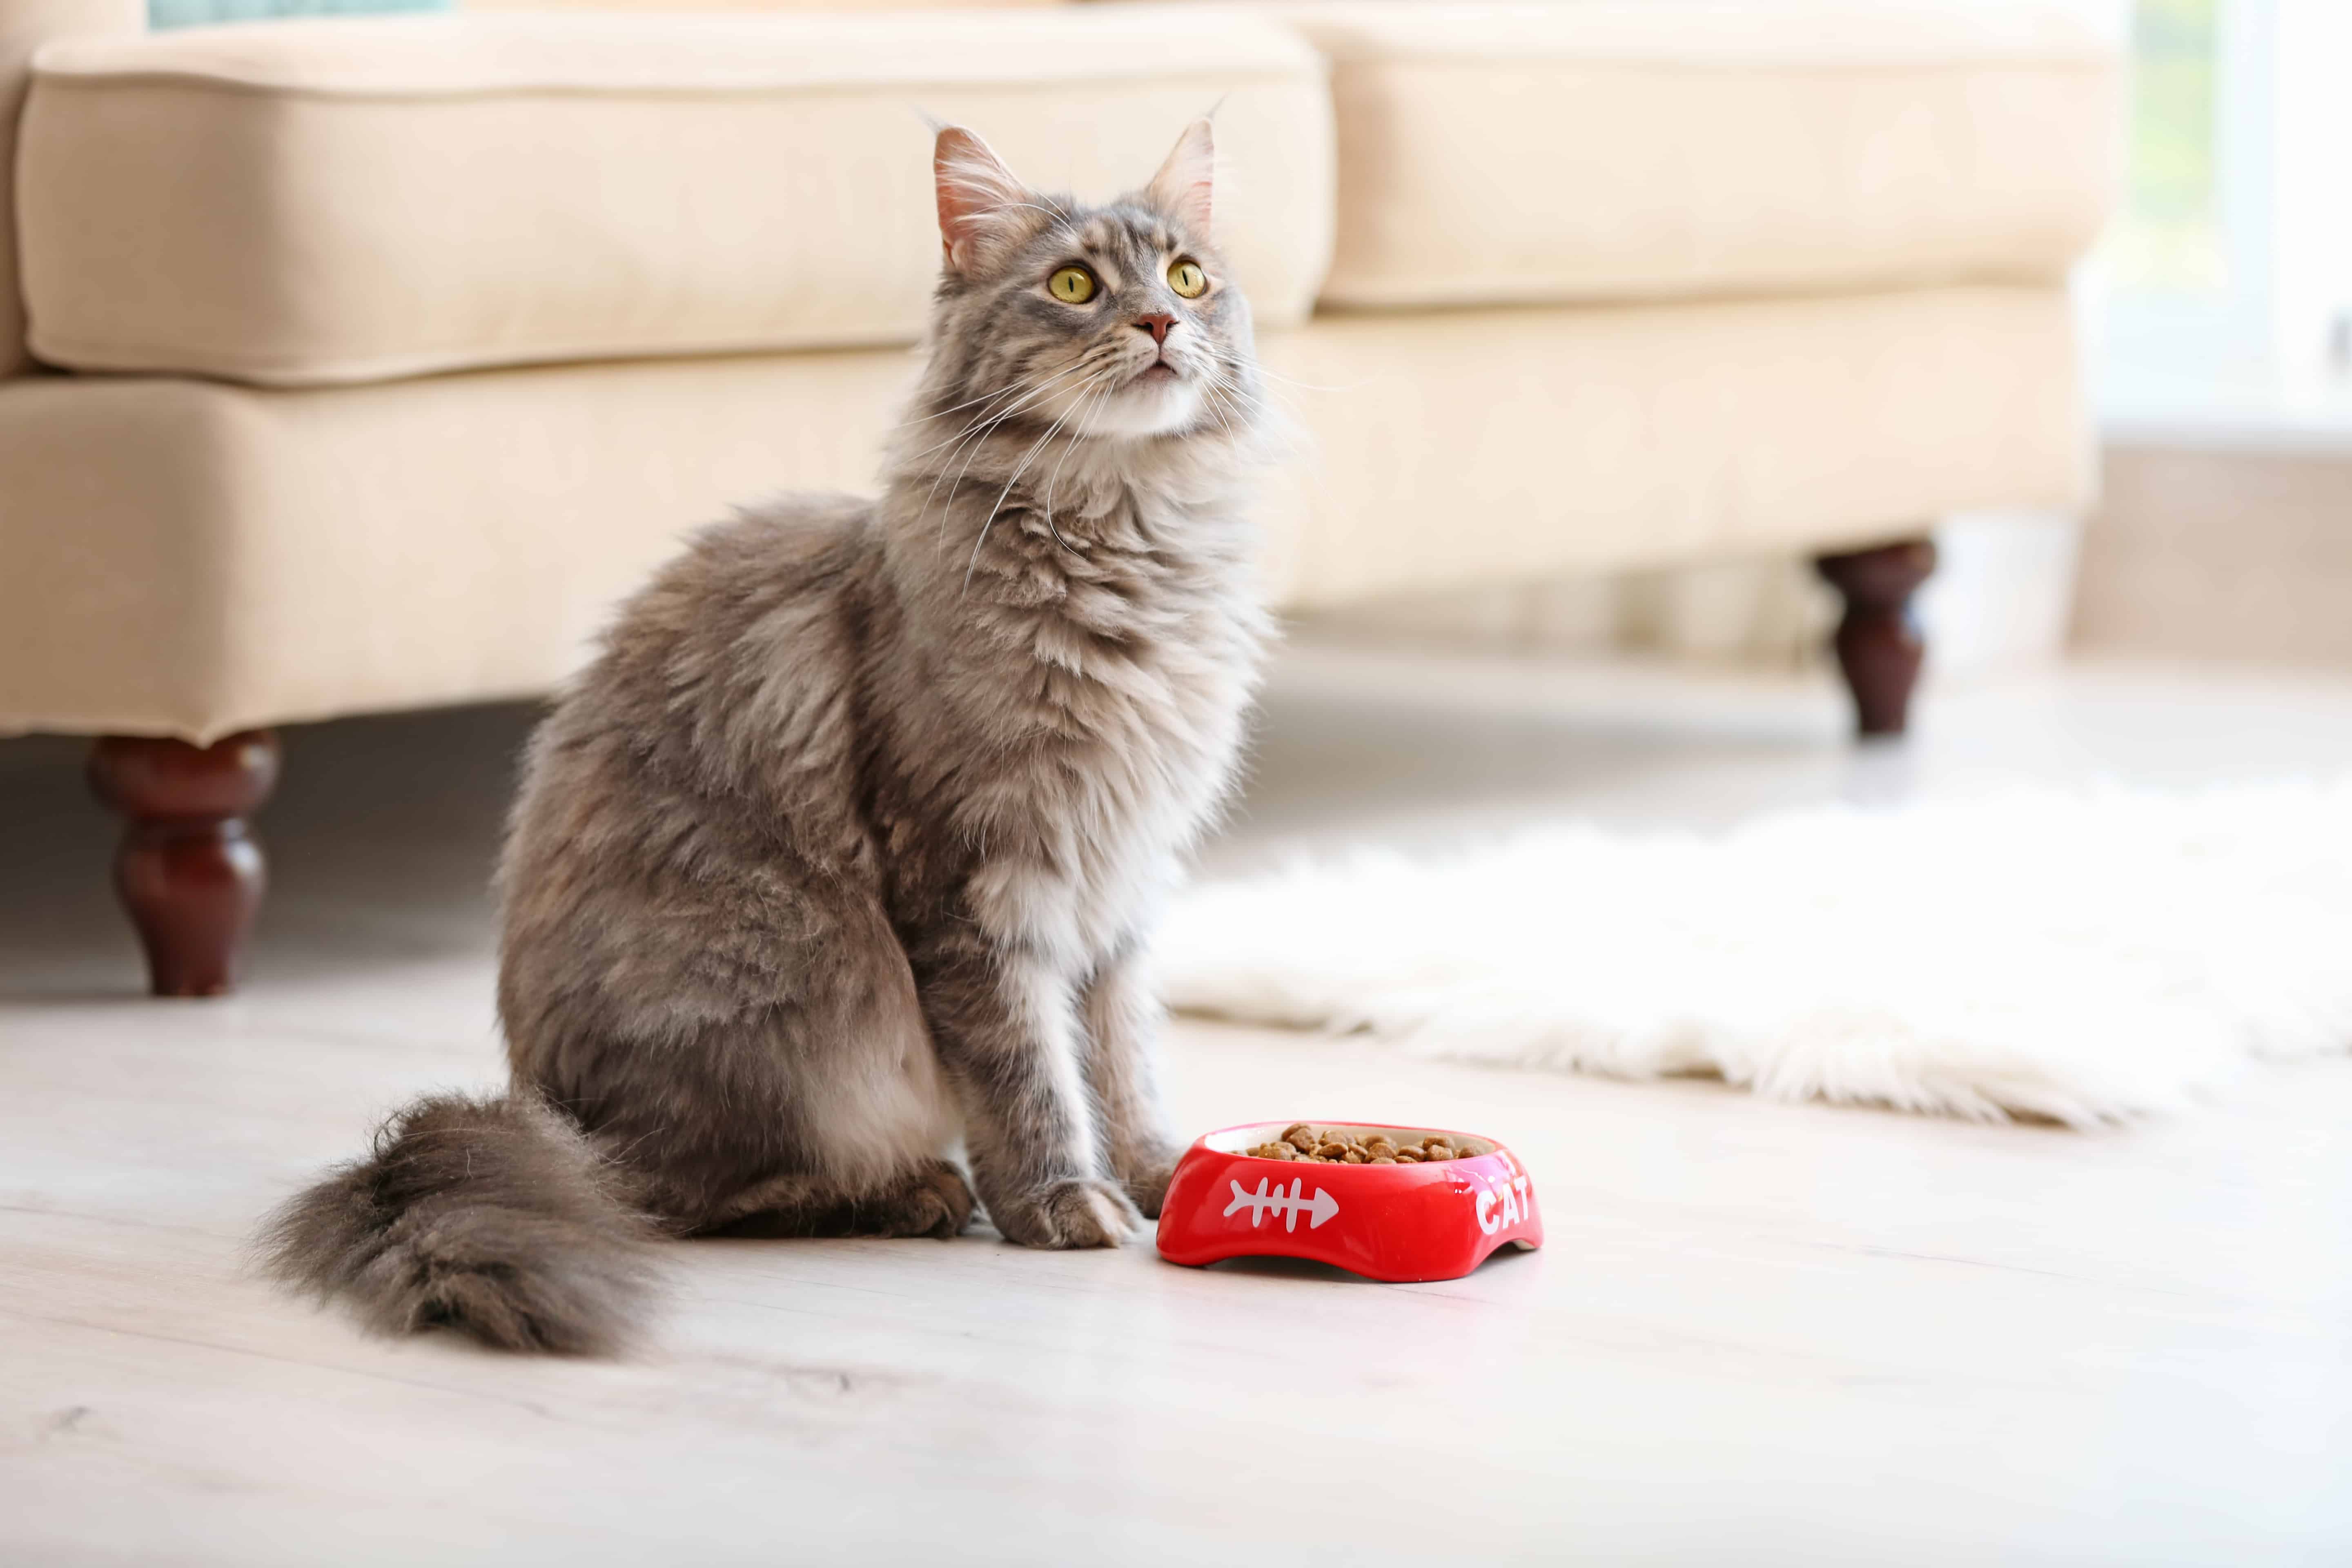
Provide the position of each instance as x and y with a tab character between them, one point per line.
1760	1334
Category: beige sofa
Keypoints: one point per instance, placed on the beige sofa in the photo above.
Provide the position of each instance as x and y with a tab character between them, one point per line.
366	361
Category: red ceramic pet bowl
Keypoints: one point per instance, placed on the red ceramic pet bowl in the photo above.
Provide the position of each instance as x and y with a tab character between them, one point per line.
1398	1223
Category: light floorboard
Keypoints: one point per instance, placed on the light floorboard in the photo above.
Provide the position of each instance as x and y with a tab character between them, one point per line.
1758	1333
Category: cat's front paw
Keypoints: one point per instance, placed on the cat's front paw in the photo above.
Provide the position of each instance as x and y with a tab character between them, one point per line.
1076	1213
1145	1176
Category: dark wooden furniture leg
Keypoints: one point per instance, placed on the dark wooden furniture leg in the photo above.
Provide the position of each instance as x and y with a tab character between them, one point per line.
188	871
1878	643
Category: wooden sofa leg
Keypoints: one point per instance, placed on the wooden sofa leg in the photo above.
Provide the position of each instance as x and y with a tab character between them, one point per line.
188	871
1878	643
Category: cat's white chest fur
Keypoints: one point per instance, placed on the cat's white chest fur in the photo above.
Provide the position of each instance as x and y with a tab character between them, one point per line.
1146	732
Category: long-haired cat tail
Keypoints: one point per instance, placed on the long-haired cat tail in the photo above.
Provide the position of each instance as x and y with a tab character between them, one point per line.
494	1215
848	848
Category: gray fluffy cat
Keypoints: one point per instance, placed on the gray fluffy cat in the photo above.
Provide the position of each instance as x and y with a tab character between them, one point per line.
850	842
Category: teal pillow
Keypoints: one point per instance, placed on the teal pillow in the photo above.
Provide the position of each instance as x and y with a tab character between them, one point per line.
163	14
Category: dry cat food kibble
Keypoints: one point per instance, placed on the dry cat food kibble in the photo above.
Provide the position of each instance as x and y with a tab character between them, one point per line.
1338	1146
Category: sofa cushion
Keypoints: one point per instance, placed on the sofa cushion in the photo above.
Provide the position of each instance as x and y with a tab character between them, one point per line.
25	27
186	557
1623	150
1465	447
343	200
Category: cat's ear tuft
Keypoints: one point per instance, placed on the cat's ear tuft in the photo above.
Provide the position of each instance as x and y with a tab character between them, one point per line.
979	196
1180	189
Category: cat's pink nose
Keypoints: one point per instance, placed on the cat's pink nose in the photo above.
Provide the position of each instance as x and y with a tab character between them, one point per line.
1157	324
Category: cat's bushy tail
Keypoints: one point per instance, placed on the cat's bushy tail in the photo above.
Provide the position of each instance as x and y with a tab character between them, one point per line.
493	1216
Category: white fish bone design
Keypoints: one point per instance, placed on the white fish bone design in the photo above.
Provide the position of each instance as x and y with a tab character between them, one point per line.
1289	1205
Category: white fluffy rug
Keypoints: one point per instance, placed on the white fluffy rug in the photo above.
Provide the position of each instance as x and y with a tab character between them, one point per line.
2085	957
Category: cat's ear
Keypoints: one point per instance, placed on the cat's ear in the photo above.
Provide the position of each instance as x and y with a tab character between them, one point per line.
979	196
1180	189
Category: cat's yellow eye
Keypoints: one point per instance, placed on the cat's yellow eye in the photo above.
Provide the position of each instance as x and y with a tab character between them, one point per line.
1187	278
1071	284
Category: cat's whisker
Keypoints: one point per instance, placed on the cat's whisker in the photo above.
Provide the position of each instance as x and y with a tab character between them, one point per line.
1216	376
1224	413
1021	389
1100	380
991	423
977	437
1242	397
987	418
1228	401
1097	396
989	521
1101	394
923	414
1294	381
1214	406
924	418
